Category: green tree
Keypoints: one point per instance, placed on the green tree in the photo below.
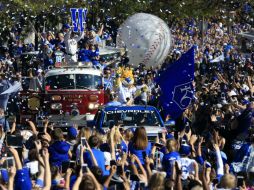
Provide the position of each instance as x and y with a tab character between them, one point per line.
48	13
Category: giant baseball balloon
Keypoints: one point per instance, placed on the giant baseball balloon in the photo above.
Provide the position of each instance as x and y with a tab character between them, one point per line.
147	39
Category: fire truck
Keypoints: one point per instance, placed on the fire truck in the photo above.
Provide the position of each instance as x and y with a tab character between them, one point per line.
73	94
68	94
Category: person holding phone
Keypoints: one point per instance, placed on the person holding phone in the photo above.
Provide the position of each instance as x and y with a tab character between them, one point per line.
93	153
58	181
22	178
83	133
188	166
86	179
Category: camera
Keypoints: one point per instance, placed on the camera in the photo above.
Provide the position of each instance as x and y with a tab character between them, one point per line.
84	168
83	141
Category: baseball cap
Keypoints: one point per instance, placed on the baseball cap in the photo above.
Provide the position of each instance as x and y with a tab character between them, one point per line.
185	150
72	132
170	136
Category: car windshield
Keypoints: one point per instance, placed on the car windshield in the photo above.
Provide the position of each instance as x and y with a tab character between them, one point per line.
132	118
88	81
73	81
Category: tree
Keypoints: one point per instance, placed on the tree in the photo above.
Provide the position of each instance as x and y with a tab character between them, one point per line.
48	13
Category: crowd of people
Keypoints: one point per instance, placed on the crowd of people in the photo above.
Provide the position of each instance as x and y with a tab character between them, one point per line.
211	146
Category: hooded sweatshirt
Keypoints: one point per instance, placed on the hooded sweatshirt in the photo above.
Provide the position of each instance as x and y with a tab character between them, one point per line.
59	152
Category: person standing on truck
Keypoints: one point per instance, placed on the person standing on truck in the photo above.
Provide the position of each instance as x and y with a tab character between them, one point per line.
71	44
58	55
47	53
4	85
95	38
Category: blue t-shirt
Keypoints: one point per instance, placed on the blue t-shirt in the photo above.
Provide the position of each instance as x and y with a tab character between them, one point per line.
22	180
124	147
87	55
139	153
99	156
105	147
168	160
84	55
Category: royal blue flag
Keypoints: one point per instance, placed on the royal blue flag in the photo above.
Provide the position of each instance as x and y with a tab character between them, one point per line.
176	85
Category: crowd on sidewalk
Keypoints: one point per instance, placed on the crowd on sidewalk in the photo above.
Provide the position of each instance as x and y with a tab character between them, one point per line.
211	146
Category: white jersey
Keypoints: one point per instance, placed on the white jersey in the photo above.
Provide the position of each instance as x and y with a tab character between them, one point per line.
71	44
187	166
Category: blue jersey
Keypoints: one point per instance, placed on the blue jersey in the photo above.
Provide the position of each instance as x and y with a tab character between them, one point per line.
87	55
168	161
139	153
99	156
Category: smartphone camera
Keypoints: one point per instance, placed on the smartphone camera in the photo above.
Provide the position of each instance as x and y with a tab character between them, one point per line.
134	178
128	172
83	141
184	141
112	163
240	180
142	185
144	155
84	168
119	170
9	162
72	164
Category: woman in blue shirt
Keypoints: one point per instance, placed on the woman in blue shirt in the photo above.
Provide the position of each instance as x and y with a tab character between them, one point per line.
139	144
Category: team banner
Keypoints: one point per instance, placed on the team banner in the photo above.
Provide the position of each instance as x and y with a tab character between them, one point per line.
78	17
176	85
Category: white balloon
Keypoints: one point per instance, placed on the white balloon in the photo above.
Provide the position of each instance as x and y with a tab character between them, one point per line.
146	37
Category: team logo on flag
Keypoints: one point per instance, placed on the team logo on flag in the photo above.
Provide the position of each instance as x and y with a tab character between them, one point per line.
183	95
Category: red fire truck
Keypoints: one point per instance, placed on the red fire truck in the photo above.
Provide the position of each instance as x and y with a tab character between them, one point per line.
68	95
73	94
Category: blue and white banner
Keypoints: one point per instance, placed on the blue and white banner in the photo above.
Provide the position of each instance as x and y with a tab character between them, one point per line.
176	85
218	59
12	89
78	17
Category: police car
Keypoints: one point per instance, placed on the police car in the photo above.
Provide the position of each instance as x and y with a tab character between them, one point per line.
130	117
